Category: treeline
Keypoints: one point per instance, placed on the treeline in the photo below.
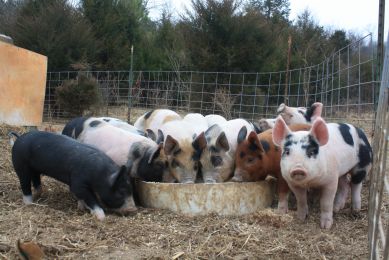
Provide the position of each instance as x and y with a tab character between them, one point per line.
212	35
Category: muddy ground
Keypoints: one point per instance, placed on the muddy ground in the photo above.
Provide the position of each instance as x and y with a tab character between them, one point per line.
63	232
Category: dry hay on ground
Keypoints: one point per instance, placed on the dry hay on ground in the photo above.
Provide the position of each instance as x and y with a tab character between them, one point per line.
63	232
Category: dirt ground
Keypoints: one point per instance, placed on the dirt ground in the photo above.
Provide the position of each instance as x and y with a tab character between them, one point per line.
63	232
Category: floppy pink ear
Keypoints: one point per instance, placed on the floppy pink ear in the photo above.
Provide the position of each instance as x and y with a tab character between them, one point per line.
319	130
317	111
280	130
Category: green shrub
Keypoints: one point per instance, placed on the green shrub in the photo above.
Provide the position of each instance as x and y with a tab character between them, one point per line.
76	95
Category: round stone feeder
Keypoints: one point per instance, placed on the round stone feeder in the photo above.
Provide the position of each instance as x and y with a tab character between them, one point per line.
227	198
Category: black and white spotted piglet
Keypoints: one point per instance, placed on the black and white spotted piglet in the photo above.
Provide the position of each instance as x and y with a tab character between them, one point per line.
91	175
321	158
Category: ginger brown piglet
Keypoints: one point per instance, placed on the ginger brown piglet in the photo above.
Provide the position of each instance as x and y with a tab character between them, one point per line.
257	157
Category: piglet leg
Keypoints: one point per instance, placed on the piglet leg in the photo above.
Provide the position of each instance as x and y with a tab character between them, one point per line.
80	206
283	195
343	190
302	206
89	200
327	204
356	195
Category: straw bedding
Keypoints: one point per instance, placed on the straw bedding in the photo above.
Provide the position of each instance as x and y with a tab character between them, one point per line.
63	232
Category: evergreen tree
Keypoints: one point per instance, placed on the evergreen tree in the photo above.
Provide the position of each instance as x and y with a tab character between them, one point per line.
273	8
119	24
220	37
53	28
339	40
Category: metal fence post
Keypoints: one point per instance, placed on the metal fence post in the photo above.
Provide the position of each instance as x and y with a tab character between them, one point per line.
130	87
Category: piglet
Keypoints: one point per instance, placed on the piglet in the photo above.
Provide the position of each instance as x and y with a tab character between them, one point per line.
150	162
91	175
183	149
197	122
154	119
218	157
257	157
122	125
300	115
266	124
215	119
321	158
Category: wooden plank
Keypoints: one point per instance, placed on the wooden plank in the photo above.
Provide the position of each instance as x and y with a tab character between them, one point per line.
22	86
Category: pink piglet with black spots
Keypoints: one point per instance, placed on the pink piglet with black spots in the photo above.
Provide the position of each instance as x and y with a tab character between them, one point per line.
321	158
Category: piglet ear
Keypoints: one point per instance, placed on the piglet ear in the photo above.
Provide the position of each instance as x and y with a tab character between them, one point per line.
160	137
317	111
254	141
200	142
242	134
170	144
280	131
154	152
223	142
319	131
117	177
150	134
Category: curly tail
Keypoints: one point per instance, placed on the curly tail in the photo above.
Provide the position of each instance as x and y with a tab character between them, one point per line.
10	137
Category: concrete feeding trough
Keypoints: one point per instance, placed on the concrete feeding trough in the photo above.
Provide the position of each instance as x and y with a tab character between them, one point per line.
228	198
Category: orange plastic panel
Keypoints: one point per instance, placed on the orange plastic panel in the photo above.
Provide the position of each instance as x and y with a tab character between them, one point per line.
22	86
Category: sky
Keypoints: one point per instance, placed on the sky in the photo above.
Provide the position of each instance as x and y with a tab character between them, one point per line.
354	15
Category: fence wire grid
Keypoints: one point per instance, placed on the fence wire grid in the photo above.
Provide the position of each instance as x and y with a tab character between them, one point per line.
344	83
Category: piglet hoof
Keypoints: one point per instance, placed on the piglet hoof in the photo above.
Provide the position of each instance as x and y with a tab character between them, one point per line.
27	199
38	191
326	223
99	213
302	213
356	205
282	210
80	206
338	207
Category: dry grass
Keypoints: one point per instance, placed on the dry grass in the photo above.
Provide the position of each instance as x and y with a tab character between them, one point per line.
63	232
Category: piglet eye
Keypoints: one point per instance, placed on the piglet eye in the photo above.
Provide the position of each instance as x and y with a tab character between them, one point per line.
250	160
286	152
219	162
157	166
121	193
312	153
174	164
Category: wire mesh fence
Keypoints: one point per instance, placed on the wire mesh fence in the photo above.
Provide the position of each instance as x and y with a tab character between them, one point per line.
344	83
379	186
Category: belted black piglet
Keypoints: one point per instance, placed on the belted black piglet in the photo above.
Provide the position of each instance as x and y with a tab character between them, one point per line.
91	175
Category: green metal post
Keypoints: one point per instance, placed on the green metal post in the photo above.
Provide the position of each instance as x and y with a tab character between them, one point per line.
380	50
130	87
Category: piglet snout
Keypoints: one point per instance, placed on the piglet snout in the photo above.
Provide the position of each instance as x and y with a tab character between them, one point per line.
128	207
127	210
187	182
281	108
237	178
298	174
